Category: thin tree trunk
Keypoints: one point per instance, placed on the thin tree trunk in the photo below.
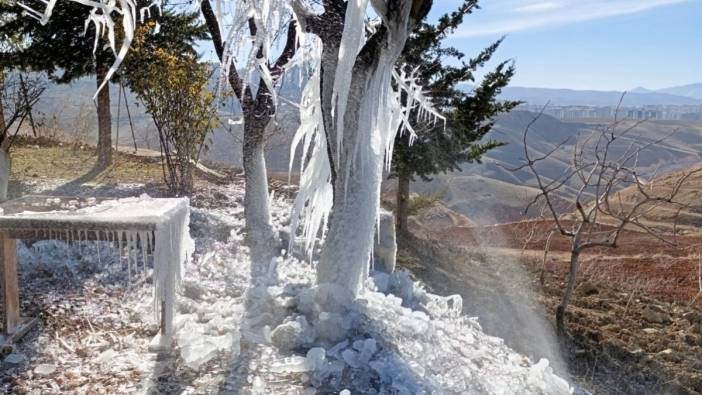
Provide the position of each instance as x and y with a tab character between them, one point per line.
5	162
572	275
259	233
5	165
2	109
104	143
402	211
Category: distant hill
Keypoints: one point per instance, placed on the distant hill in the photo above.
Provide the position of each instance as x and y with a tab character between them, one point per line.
570	97
485	193
666	216
692	90
491	193
639	96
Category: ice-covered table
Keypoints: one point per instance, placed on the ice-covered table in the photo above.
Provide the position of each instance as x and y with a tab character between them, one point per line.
156	226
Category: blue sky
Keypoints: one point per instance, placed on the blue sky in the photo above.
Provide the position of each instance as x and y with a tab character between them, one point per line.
589	44
585	44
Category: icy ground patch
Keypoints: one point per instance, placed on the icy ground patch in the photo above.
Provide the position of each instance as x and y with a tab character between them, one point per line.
250	328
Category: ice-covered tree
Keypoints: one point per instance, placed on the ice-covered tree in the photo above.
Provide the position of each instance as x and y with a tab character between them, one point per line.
244	35
351	110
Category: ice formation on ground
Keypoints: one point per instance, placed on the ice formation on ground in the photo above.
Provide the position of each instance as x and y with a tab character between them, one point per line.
395	339
138	226
264	328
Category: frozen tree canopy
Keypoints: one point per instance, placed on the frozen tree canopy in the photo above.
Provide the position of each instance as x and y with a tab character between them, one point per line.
249	30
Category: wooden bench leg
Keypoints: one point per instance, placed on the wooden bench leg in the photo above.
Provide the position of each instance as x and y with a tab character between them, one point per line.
8	282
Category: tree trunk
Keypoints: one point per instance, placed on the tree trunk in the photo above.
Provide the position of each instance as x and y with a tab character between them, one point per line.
5	165
572	275
2	109
402	211
259	233
104	143
347	247
5	162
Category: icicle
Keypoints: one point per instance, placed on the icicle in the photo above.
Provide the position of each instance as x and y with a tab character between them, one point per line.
142	239
314	199
128	255
352	38
80	242
149	248
132	252
97	247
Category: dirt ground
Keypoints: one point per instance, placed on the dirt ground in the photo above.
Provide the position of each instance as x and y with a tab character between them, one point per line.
635	324
640	263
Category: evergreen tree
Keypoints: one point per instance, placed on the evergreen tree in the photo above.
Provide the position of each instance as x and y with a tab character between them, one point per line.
439	147
63	48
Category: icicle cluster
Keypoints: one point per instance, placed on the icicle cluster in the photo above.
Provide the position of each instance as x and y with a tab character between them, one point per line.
242	48
101	17
115	222
173	247
315	196
389	115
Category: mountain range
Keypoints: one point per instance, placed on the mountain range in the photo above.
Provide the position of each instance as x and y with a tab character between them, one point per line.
485	193
678	95
490	192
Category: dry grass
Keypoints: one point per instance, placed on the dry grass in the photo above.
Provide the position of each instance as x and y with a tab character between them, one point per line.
71	162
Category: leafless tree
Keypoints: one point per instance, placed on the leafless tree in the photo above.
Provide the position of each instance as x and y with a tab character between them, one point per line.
699	280
598	215
18	95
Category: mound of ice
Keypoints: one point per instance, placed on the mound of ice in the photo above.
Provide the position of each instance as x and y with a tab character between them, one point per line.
401	341
379	345
290	335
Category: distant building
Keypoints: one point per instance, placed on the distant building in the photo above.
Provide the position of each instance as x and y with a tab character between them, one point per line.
660	112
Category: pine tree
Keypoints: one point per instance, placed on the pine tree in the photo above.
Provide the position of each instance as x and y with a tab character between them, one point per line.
439	147
63	48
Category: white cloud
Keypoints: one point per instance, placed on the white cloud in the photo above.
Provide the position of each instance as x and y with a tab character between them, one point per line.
539	7
498	16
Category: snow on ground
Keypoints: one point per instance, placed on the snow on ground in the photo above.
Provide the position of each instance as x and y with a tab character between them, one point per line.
248	328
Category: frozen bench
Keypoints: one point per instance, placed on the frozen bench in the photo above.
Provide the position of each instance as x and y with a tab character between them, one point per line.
159	226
